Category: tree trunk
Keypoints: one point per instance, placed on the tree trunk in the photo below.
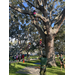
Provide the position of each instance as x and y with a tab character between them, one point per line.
49	47
27	54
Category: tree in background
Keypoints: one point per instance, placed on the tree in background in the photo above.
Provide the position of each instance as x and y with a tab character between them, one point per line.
48	13
59	43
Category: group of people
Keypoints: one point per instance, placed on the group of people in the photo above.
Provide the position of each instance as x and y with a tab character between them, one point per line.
43	60
18	56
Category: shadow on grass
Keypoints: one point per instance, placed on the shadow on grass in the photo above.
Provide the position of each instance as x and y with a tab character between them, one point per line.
33	61
13	70
27	64
56	72
58	64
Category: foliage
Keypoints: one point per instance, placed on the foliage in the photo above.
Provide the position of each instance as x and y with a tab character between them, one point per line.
60	40
22	22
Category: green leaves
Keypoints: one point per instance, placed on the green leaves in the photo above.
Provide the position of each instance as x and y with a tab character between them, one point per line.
22	21
60	40
20	24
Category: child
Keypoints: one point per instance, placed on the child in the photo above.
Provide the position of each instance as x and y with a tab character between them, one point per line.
43	61
61	59
17	57
22	56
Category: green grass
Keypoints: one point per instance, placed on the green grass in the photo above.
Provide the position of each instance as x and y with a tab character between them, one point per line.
14	67
32	57
11	58
25	57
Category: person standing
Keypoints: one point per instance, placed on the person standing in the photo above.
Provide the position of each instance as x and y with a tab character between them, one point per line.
57	55
22	56
13	57
43	61
61	59
17	57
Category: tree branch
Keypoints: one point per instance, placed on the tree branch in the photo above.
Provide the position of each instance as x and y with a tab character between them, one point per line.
40	31
32	4
41	17
44	2
19	10
29	13
59	22
39	3
52	8
22	5
41	8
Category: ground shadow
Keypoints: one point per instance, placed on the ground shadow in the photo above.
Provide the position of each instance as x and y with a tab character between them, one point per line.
34	61
13	69
25	64
28	64
56	72
58	64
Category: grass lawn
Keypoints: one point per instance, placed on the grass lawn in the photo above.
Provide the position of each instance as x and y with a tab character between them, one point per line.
50	70
26	57
32	57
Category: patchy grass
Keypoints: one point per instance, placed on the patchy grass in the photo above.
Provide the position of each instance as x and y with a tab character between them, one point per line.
32	57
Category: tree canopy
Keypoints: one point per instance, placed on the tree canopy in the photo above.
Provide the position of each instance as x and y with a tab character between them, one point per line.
21	23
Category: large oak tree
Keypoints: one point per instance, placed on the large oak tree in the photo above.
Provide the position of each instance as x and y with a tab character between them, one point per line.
48	12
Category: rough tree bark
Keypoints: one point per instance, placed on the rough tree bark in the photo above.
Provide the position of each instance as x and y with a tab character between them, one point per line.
50	53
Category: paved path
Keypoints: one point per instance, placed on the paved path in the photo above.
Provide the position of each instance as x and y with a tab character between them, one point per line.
29	70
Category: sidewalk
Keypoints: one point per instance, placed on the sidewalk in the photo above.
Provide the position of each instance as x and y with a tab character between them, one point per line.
29	70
